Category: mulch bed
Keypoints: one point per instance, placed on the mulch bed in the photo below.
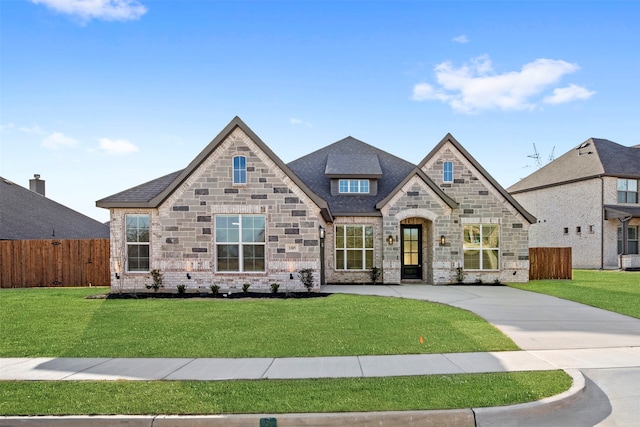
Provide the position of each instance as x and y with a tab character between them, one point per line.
220	295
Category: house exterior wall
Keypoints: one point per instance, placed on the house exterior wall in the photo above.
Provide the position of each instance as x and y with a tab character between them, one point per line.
479	203
183	227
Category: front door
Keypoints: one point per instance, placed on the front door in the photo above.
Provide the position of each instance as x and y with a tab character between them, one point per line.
411	251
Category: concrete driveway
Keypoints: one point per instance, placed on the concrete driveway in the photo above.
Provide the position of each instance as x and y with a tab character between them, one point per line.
548	326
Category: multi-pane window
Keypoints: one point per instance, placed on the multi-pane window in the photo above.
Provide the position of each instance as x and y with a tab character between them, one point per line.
481	247
353	185
448	172
239	170
632	240
354	247
627	191
137	232
240	242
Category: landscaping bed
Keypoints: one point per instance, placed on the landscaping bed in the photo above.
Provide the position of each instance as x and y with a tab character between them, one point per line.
220	295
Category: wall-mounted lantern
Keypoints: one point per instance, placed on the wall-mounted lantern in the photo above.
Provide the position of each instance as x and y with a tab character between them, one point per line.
443	240
390	240
188	276
321	231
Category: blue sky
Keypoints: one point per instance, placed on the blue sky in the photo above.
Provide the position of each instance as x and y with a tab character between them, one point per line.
98	96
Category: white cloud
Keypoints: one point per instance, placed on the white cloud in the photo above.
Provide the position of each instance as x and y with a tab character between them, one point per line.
461	39
108	10
294	121
58	140
568	94
117	146
475	86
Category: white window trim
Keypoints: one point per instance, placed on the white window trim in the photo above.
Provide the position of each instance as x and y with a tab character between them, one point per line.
345	249
359	185
240	246
233	170
481	248
127	244
444	173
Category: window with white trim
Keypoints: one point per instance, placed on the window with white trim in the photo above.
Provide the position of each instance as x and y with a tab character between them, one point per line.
447	175
627	190
354	247
239	170
137	242
353	186
240	243
481	247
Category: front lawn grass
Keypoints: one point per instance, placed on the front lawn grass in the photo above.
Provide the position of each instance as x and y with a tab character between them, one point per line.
279	396
63	323
617	291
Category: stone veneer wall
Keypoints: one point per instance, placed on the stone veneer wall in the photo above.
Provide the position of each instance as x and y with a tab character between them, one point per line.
182	228
479	203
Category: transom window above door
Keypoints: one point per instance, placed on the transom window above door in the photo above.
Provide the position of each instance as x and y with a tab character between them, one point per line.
354	186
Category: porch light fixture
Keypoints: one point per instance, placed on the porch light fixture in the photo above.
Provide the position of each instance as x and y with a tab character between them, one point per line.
321	231
390	240
290	276
443	240
188	276
117	275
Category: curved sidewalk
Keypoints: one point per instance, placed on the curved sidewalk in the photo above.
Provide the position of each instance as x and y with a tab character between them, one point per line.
554	334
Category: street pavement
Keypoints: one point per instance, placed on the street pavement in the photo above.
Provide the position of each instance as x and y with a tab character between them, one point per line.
600	349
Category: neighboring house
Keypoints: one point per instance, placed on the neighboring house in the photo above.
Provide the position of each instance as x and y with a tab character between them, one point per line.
587	199
29	215
237	214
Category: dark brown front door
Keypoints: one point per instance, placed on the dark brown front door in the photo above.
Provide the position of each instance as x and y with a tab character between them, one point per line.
411	252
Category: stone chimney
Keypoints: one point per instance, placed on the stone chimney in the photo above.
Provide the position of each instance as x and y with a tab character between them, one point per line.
36	184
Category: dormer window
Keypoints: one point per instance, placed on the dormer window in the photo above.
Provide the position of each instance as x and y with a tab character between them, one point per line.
239	170
447	172
354	186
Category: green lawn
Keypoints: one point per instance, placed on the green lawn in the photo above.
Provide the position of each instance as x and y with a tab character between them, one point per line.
278	396
61	322
617	291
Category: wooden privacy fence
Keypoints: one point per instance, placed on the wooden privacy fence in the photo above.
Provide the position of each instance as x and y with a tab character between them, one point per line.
550	263
36	263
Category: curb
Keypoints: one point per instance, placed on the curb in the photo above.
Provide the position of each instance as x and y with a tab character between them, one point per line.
477	417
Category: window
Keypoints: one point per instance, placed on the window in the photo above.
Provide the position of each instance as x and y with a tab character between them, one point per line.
137	231
448	172
627	191
632	240
240	242
566	230
481	247
354	186
354	247
239	170
578	229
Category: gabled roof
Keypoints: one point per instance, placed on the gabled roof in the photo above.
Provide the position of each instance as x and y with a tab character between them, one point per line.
153	193
418	172
449	139
311	170
593	158
27	215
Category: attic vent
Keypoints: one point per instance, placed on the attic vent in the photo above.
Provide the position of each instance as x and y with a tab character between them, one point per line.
583	145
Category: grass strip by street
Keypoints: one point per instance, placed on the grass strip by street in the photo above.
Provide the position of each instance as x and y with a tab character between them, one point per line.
617	291
279	396
63	323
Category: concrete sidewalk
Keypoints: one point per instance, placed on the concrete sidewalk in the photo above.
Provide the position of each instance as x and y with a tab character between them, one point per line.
220	369
600	350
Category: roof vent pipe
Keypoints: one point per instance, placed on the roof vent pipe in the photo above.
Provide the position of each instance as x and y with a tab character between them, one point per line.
36	184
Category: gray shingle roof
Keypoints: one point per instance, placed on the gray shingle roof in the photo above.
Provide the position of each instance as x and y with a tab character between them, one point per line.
139	195
593	158
311	170
27	215
353	165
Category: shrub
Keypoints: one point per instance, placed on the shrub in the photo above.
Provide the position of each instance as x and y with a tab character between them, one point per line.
181	289
306	277
375	273
157	278
274	288
214	289
245	287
